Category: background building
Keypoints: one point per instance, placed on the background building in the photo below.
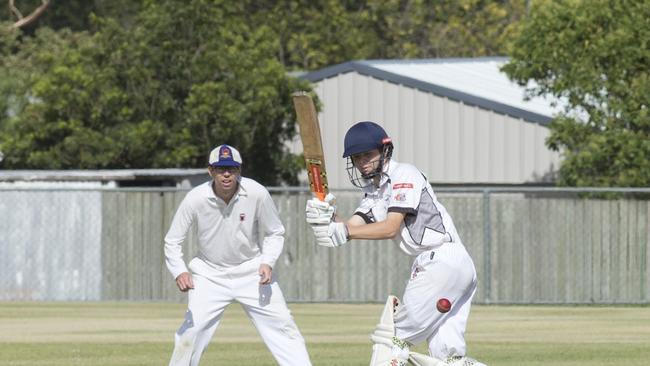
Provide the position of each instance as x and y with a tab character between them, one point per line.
461	121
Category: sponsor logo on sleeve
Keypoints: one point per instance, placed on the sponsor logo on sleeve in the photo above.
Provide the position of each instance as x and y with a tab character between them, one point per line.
400	197
402	185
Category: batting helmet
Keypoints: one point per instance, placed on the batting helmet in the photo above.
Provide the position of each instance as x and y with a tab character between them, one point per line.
364	136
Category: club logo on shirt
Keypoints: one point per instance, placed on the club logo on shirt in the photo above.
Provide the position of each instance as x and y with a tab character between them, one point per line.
400	197
242	216
225	153
402	185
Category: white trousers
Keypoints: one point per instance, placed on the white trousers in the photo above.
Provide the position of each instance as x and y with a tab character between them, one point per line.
447	272
214	289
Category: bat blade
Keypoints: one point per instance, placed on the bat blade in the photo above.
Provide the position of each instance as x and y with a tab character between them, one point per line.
311	143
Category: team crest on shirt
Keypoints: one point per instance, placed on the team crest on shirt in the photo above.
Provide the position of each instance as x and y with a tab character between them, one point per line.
242	216
402	185
400	197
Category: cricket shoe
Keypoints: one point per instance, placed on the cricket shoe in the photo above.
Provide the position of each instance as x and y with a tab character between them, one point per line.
461	361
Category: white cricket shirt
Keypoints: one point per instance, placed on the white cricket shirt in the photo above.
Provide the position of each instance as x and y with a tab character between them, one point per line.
403	188
228	234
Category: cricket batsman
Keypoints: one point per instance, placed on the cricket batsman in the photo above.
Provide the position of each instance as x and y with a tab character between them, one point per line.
398	203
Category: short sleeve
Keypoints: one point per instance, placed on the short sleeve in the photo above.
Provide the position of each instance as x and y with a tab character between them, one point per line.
365	210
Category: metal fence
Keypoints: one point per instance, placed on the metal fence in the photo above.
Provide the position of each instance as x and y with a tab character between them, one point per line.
529	245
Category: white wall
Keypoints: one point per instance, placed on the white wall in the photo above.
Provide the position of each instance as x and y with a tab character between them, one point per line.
450	141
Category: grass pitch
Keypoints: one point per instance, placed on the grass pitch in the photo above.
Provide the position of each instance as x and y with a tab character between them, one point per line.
106	334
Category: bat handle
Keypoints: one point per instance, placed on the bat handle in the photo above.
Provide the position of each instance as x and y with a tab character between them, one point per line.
320	196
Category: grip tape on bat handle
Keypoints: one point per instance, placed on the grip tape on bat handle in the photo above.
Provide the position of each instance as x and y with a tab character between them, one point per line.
317	185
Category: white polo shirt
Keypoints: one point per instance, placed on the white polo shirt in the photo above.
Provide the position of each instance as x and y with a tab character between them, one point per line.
228	234
403	188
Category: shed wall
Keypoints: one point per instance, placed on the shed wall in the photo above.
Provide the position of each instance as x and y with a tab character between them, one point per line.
452	142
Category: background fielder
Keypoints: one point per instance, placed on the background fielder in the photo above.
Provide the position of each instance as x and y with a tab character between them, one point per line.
240	238
399	203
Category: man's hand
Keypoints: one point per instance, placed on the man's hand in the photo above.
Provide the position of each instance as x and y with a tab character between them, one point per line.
321	212
184	282
333	234
265	272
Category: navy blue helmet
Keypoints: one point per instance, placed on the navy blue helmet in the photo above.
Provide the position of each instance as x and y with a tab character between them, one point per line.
363	137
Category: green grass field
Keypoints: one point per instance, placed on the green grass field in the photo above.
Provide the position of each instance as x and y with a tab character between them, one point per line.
65	334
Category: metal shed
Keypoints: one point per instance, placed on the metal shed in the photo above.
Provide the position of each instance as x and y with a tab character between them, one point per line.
461	121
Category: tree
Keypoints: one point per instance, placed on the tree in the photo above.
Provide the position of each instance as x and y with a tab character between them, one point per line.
160	94
30	15
596	56
143	83
428	29
22	61
314	34
24	21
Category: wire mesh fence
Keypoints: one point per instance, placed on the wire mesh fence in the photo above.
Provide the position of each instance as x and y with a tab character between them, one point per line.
50	245
529	245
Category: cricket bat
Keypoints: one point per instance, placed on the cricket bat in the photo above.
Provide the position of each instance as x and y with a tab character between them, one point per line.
312	144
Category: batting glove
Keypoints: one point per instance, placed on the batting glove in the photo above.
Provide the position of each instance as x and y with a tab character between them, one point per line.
320	212
334	234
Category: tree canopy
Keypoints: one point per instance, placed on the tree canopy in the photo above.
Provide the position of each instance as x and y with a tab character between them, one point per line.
72	14
595	55
160	94
314	34
146	84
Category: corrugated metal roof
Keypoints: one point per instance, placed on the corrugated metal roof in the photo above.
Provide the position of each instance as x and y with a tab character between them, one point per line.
474	81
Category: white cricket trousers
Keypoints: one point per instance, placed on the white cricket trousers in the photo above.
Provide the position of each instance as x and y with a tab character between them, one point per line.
447	272
214	289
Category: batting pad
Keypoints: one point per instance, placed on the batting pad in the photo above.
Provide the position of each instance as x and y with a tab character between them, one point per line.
418	359
388	350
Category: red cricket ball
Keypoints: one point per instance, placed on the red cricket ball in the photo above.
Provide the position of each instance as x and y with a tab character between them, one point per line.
443	305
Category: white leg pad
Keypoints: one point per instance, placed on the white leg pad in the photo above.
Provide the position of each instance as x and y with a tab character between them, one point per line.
418	359
388	350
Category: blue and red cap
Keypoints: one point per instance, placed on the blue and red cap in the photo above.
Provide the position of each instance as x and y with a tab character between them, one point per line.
225	155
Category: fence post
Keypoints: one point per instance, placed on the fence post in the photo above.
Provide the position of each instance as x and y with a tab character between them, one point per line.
487	248
642	283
